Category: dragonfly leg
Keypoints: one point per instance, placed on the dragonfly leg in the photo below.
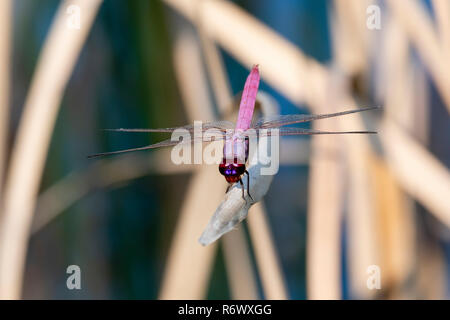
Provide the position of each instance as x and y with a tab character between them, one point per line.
248	185
228	188
242	185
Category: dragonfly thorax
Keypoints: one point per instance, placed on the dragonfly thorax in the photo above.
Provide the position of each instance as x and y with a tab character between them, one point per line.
232	171
235	150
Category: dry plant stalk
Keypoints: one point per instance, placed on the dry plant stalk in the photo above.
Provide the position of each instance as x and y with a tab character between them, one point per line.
417	170
398	78
352	56
216	71
266	255
418	26
351	38
325	204
5	74
54	68
395	221
395	228
441	10
324	220
189	265
241	277
363	246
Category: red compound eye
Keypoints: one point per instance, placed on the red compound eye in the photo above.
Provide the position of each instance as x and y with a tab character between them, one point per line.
232	171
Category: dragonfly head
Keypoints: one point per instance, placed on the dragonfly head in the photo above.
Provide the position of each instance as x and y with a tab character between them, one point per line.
232	171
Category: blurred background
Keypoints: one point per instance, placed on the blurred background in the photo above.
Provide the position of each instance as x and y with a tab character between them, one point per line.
352	217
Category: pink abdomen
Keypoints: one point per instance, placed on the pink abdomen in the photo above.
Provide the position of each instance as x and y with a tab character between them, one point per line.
248	100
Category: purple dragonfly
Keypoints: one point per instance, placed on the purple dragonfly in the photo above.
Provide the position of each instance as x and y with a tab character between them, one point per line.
236	144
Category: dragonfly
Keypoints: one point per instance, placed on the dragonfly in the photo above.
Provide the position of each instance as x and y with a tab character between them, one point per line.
236	139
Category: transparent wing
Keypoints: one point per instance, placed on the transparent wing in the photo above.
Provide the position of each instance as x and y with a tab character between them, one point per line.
165	143
299	132
220	125
283	120
219	137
